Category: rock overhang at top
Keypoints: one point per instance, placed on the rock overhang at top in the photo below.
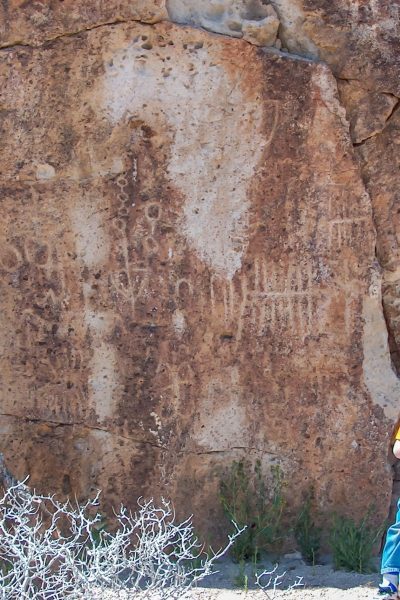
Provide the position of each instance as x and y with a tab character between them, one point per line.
359	41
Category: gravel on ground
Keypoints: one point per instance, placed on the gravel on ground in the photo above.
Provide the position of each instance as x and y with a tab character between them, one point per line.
320	581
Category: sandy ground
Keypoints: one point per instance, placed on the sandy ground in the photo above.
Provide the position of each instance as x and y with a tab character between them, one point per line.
321	581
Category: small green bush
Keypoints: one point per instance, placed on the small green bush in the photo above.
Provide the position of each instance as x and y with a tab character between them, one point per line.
353	543
246	502
307	534
241	579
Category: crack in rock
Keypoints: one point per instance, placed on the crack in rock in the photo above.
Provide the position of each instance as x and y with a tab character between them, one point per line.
395	105
84	426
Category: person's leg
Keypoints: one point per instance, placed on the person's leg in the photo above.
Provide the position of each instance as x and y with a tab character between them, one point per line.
390	583
390	564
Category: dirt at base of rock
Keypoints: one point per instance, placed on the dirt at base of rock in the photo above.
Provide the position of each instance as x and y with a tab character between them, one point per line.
320	581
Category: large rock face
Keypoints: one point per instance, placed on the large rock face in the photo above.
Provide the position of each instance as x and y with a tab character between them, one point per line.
187	256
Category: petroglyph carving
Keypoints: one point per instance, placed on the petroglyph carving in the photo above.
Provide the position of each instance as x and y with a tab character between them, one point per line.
287	300
270	299
151	246
173	378
153	214
215	213
183	291
177	279
347	232
10	257
346	223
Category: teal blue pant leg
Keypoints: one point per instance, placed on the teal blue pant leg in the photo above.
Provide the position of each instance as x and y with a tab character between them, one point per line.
391	551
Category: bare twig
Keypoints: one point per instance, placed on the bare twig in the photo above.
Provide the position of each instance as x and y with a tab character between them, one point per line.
272	582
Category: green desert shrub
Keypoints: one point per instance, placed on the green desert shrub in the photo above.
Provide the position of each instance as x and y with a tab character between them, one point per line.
353	542
307	534
248	503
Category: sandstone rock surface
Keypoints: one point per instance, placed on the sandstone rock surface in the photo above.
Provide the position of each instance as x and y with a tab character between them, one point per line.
32	23
187	248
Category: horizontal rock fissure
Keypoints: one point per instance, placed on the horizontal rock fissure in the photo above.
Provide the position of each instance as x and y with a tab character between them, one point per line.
223	450
131	439
84	426
69	34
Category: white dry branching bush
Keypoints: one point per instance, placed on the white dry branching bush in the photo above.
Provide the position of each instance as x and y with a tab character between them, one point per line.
270	581
51	550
